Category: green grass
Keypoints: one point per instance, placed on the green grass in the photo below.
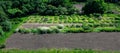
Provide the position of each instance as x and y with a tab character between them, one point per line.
56	51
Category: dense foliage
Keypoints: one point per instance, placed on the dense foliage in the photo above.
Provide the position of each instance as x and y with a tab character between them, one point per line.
17	8
96	6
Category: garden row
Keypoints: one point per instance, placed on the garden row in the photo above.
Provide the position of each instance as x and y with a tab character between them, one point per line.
73	19
106	19
67	29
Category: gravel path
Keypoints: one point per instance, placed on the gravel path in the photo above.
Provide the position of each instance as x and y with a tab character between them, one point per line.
96	41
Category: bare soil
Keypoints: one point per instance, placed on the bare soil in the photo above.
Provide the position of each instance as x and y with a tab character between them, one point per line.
35	25
96	41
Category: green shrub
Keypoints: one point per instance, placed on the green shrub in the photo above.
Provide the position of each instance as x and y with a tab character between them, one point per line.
34	31
58	2
78	0
108	29
117	30
24	30
2	46
1	32
119	3
15	12
60	26
54	29
74	30
98	29
3	16
95	6
87	28
6	25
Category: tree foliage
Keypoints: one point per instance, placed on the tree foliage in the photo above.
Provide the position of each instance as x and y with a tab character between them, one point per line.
95	6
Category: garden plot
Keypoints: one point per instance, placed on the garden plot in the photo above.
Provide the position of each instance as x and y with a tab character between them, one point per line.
96	41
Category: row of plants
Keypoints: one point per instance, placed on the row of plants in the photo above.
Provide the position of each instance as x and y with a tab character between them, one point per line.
106	19
56	51
67	29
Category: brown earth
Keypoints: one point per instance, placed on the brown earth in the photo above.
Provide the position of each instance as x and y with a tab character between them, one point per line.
96	41
35	25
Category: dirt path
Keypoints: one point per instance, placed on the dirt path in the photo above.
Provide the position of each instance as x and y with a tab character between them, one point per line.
97	41
35	25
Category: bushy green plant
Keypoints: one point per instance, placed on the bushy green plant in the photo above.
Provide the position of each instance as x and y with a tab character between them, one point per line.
58	2
108	29
119	3
3	16
15	12
74	30
24	30
6	25
1	32
95	6
78	0
60	26
2	46
87	28
34	31
54	29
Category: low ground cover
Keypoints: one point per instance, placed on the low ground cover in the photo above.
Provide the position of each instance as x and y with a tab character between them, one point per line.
55	51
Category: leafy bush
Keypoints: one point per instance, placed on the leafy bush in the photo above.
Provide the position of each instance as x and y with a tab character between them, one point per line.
34	31
3	16
79	0
73	30
54	29
6	25
15	12
95	6
2	46
1	32
108	29
58	2
119	3
87	28
24	30
60	26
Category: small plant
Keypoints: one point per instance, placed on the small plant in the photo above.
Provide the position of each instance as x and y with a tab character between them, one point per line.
60	26
54	29
74	30
34	31
24	30
2	46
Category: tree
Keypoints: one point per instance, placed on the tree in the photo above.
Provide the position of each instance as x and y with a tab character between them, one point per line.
95	6
58	2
